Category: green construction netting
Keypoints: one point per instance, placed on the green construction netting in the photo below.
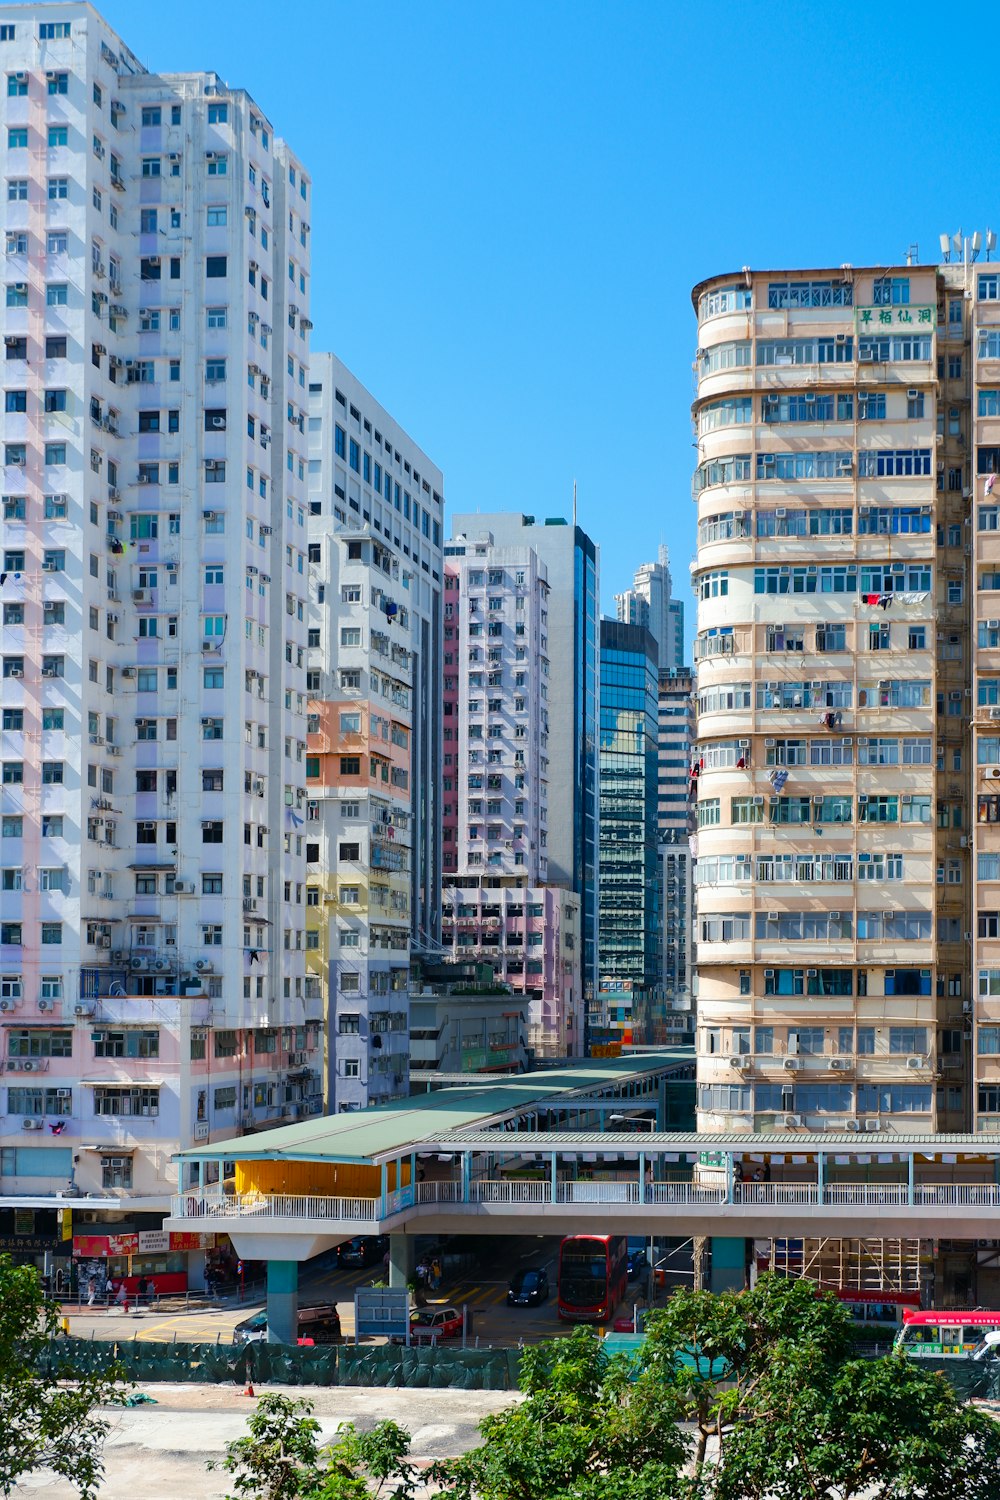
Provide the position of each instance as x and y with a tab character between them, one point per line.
290	1364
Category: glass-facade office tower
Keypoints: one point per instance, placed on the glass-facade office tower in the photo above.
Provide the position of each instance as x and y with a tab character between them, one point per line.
571	562
847	672
629	913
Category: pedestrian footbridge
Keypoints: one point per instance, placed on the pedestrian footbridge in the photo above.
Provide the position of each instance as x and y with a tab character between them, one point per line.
571	1150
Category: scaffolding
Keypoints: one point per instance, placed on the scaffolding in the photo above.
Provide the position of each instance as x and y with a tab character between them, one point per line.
868	1265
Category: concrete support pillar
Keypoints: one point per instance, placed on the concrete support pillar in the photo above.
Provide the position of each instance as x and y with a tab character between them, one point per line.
384	1195
554	1178
402	1259
820	1175
729	1264
909	1178
282	1301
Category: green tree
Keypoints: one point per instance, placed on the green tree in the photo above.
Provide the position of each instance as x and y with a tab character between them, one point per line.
699	1336
49	1417
281	1459
590	1428
798	1418
878	1428
367	1464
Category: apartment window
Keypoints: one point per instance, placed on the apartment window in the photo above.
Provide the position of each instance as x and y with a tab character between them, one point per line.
127	1101
215	266
58	83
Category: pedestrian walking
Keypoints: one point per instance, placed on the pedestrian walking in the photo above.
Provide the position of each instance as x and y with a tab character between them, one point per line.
435	1273
122	1298
142	1289
91	1291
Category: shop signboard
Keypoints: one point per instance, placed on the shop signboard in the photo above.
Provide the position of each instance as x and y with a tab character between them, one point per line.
153	1241
102	1246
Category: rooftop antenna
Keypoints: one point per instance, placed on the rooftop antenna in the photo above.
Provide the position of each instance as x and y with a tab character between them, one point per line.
574	504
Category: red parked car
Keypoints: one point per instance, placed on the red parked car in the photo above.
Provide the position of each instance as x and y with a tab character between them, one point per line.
433	1323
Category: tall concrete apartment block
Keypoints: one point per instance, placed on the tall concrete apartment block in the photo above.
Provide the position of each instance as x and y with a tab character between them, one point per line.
374	680
498	735
848	668
650	602
571	562
153	544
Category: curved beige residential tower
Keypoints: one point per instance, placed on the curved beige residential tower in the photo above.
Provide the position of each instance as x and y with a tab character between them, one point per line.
831	770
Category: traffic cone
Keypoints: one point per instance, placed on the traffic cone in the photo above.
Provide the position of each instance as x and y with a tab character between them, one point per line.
249	1390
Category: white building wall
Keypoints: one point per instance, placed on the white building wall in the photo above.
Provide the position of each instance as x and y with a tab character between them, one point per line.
182	679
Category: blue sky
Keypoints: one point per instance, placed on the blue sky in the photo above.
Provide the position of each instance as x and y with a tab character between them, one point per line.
512	202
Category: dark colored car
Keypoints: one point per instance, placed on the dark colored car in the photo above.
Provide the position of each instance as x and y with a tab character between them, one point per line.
528	1287
321	1324
363	1250
637	1261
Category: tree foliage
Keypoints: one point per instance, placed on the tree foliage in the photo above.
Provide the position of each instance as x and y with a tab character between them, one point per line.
590	1426
281	1459
49	1417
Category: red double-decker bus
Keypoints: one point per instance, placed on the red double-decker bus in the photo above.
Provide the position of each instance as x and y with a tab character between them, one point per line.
592	1276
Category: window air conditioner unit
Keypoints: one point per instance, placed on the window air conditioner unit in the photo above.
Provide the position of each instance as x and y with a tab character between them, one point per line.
773	916
791	1121
758	801
140	963
769	744
853	1124
994	713
104	941
183	887
914	1062
139	596
781	511
818	798
812	973
839	1064
743	744
739	1062
204	965
912	394
791	1064
841	338
768	973
32	1124
118	956
85	1008
873	1124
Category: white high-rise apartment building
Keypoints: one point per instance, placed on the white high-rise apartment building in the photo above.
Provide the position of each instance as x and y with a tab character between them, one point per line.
374	681
154	544
498	902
